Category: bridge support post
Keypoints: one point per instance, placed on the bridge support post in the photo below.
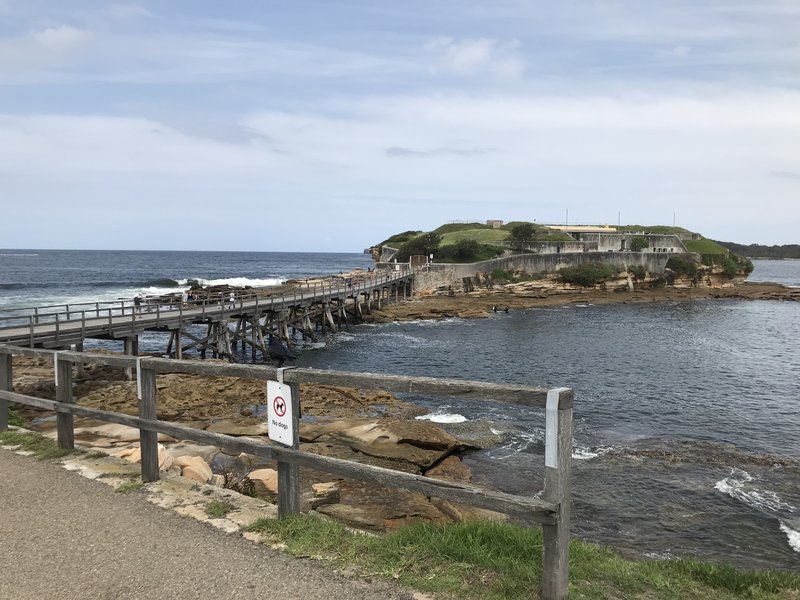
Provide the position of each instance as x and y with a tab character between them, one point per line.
558	470
178	344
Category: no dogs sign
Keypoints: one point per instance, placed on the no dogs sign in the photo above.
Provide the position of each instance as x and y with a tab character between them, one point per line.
279	413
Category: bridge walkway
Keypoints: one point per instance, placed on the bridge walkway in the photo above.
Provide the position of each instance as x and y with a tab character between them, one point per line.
124	319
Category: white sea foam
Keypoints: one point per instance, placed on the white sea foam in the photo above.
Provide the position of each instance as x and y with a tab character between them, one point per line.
517	441
234	281
442	418
739	486
793	535
585	453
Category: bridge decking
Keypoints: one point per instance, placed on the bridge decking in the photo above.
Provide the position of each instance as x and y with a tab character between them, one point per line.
254	313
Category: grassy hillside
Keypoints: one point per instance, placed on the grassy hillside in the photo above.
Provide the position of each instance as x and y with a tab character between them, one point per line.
482	236
705	246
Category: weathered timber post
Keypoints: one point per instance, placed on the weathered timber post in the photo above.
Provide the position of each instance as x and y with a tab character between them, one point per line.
79	348
288	473
148	440
558	470
131	349
6	385
64	421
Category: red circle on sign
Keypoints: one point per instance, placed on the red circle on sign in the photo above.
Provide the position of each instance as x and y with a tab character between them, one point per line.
279	405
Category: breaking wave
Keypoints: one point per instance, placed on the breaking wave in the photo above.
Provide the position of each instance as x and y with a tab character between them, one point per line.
442	418
585	453
793	535
232	281
739	486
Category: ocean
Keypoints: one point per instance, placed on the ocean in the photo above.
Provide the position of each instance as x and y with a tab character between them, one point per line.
687	415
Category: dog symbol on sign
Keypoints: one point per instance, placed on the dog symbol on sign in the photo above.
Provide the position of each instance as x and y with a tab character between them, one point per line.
279	404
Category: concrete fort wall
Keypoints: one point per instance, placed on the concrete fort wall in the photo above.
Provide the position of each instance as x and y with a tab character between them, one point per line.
605	242
439	274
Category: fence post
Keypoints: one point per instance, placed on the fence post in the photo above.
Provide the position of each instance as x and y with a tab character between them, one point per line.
148	440
288	473
558	469
64	421
7	385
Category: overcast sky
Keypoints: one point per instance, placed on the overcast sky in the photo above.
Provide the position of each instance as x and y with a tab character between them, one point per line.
328	126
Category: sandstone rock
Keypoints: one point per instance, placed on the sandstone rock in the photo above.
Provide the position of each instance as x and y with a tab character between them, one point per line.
325	488
194	468
379	509
265	480
337	449
113	431
450	469
417	442
311	431
217	481
238	428
323	493
207	453
134	455
463	512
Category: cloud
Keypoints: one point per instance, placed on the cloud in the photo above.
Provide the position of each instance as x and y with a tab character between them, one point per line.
127	11
396	151
60	38
474	56
786	174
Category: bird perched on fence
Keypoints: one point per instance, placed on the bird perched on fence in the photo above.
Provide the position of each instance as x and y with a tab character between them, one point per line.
279	351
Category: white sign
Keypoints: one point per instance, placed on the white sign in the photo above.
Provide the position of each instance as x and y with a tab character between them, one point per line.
279	413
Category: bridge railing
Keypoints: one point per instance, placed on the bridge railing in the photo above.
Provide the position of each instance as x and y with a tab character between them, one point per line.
551	509
124	311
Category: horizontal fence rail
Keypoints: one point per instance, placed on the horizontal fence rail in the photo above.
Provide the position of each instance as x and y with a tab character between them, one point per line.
551	509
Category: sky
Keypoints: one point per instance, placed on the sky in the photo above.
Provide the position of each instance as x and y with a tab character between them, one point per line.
329	126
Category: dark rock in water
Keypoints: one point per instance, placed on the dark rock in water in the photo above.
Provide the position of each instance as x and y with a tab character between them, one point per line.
279	351
478	433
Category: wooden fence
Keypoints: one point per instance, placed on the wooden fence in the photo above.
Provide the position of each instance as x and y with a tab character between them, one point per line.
552	510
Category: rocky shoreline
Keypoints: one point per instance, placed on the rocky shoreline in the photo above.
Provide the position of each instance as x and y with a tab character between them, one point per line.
371	427
438	304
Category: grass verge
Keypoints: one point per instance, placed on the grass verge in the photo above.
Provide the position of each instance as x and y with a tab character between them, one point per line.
42	448
219	508
15	419
130	486
484	560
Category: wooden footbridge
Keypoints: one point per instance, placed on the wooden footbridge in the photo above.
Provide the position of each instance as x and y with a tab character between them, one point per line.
214	323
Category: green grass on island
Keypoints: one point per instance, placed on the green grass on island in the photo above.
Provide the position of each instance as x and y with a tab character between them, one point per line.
704	246
482	236
488	561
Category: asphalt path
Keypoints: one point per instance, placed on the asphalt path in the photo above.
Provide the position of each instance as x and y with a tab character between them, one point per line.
63	536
